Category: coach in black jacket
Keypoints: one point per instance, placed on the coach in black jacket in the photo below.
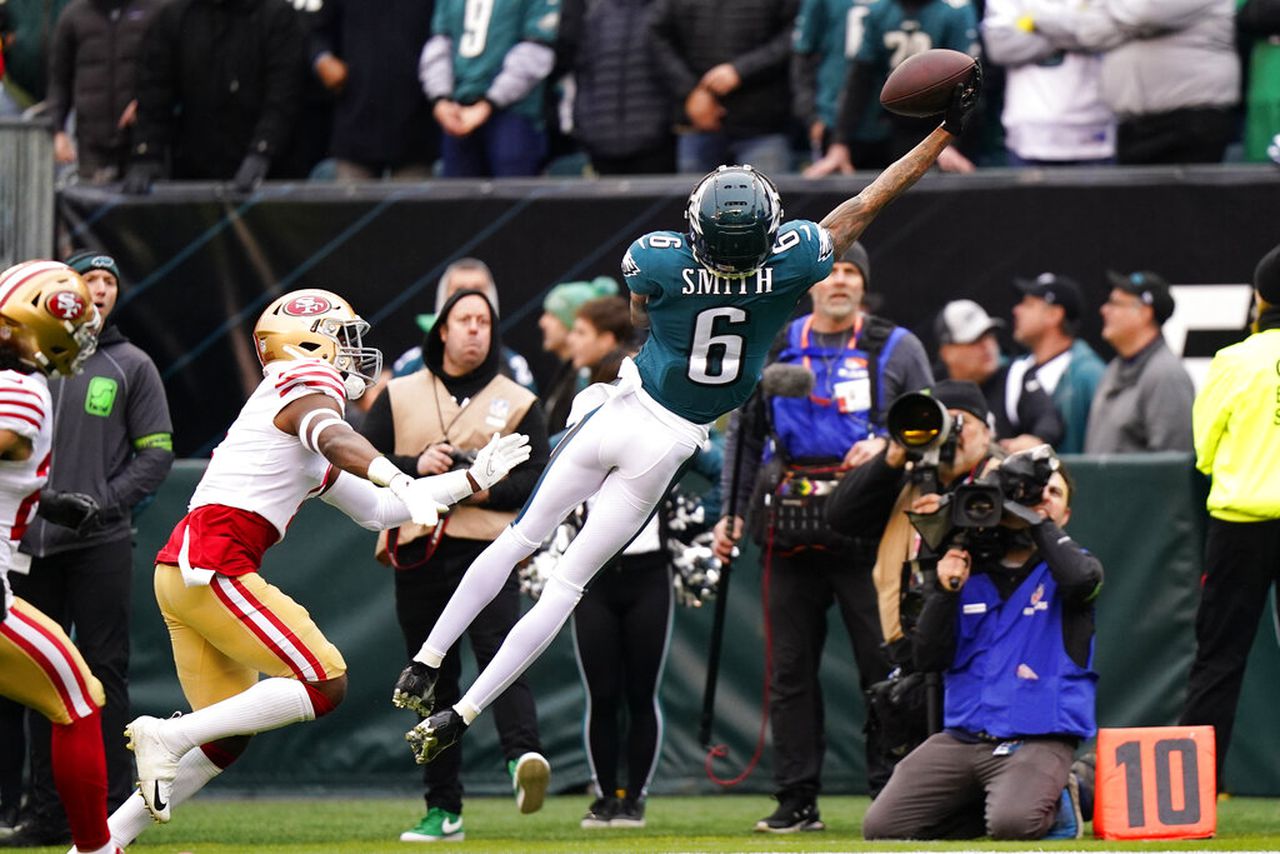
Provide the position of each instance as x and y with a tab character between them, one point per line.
219	91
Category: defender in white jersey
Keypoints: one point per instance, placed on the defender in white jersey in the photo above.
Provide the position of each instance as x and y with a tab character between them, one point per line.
716	296
227	625
48	326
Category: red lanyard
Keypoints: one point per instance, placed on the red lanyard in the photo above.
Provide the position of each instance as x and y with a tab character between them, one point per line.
804	345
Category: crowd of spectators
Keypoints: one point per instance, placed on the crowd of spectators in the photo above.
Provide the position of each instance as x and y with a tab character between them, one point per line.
241	90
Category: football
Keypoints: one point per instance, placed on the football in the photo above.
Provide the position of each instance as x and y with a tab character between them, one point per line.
922	85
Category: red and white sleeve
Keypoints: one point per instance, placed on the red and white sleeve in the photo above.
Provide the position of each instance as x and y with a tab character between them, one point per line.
23	409
311	377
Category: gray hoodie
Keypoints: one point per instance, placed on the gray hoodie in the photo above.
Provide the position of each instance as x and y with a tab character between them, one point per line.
1160	55
112	439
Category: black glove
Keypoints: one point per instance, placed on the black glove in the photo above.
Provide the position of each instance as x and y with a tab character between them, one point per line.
140	176
74	510
251	172
963	99
416	689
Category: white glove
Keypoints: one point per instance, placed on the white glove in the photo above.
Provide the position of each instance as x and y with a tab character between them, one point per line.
419	498
496	460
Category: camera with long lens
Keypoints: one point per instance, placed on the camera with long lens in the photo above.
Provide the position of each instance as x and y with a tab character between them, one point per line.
922	425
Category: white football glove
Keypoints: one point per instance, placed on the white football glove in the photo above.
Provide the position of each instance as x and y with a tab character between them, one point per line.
496	460
418	496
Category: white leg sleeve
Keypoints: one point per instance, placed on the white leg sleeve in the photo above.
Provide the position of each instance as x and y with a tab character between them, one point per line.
573	475
481	582
269	704
525	642
617	516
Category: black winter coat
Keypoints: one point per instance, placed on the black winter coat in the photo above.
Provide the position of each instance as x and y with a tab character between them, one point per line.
621	104
692	36
93	67
382	115
220	79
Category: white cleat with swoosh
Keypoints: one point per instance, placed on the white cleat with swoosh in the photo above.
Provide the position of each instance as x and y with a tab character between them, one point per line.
157	764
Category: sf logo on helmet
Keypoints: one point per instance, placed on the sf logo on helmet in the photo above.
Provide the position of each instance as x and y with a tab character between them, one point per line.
307	306
65	305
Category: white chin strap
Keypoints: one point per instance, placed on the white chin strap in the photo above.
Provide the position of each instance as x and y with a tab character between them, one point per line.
355	386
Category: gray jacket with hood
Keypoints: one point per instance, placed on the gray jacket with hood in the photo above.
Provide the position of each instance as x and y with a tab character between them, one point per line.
112	439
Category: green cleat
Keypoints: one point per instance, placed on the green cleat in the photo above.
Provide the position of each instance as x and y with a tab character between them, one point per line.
437	825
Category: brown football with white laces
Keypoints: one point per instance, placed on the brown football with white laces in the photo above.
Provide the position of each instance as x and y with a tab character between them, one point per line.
922	85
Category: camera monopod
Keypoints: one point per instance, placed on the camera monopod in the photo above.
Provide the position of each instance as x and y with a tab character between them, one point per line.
777	380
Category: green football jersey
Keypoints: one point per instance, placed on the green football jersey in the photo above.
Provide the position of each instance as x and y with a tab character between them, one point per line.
833	30
709	334
483	31
892	33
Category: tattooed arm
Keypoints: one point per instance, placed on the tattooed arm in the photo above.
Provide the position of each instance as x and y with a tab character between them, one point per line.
850	218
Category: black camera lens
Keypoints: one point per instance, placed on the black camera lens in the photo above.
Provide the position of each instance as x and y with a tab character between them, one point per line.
976	505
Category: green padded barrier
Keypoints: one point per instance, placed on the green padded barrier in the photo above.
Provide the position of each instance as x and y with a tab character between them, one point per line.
1143	516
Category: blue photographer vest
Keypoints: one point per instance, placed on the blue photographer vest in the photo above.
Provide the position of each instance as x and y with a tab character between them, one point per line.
1012	675
839	411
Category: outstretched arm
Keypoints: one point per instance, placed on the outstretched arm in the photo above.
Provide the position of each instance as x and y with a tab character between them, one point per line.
850	218
319	426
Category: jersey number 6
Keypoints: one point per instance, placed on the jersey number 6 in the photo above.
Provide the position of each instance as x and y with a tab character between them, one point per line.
726	347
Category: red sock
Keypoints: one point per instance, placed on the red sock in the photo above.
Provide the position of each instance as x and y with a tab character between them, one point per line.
322	704
80	774
218	756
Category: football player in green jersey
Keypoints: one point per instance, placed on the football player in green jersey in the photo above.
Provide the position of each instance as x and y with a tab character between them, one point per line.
714	299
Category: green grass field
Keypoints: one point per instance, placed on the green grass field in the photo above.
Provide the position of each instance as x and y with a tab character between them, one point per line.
698	823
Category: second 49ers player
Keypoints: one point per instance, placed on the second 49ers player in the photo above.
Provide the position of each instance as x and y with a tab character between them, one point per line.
227	625
48	326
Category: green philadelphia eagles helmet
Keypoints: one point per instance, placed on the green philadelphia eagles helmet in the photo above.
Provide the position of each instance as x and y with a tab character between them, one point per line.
733	214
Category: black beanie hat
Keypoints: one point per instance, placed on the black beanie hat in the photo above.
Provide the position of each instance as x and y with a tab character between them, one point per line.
1266	278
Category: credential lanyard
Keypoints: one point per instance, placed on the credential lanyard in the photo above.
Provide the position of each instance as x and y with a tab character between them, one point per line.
808	364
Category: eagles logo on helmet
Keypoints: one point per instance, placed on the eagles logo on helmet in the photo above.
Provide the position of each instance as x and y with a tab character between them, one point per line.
48	317
318	324
733	215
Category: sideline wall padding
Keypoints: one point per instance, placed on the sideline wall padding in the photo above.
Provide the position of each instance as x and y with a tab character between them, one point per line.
1143	516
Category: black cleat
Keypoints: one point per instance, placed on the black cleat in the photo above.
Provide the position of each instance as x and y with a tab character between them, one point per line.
792	815
630	813
600	813
35	833
416	689
435	735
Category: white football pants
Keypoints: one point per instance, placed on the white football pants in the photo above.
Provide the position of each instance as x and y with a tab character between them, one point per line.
629	450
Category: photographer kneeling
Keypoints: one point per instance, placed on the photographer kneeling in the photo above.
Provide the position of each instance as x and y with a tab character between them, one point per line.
1010	623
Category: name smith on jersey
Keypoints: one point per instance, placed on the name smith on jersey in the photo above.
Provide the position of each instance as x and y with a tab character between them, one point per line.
701	282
